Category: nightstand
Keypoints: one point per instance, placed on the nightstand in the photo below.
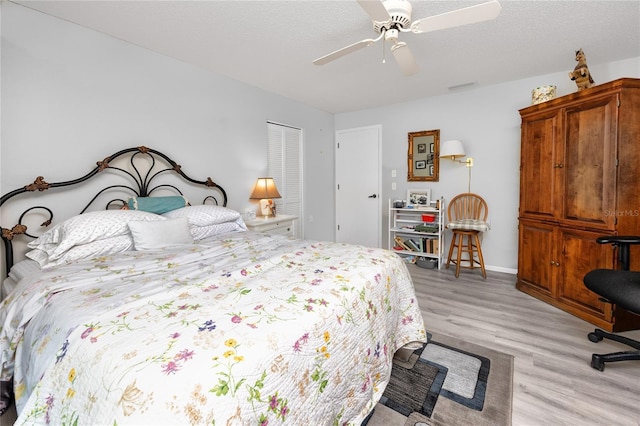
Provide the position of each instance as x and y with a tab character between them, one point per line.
279	225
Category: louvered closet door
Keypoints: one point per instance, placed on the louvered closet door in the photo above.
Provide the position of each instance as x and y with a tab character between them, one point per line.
285	166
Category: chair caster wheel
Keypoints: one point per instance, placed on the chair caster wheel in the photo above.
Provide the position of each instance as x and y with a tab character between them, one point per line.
597	364
594	337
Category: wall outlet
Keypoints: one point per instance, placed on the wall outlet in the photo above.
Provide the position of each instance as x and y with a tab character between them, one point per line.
393	186
394	173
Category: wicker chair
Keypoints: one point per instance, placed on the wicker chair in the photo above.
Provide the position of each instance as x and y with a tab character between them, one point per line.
467	219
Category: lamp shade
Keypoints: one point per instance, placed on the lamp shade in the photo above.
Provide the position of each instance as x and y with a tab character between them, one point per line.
452	149
265	188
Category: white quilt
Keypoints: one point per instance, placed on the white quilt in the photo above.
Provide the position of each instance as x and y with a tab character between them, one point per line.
242	329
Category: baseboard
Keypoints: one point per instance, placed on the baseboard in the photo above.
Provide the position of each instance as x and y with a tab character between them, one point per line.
501	269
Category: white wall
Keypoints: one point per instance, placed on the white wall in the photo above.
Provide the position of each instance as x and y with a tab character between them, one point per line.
487	121
71	96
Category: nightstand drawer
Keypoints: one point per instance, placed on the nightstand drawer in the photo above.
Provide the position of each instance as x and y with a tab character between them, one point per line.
279	225
278	228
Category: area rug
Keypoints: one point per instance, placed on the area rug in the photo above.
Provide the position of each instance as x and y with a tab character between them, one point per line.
448	382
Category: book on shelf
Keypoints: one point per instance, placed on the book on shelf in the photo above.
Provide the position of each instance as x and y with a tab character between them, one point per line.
430	246
420	245
401	243
412	244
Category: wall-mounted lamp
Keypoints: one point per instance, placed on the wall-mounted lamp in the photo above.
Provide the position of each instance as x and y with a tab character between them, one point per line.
264	191
452	150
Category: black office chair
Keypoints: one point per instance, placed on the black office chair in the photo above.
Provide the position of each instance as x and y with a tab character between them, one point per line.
618	286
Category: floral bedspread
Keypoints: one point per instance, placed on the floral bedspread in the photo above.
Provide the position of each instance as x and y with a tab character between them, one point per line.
244	329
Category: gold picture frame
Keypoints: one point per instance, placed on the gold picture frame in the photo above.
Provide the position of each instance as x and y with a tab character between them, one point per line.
423	156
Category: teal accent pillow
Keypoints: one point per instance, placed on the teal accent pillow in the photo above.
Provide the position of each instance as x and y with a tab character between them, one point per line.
157	205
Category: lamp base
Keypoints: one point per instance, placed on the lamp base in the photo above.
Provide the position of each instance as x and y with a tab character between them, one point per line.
267	207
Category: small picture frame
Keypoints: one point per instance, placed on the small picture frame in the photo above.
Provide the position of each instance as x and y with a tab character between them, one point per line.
422	164
419	197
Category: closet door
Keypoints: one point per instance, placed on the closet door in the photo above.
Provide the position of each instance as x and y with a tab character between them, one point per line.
284	154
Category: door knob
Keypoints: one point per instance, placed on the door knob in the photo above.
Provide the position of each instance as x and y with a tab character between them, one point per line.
373	196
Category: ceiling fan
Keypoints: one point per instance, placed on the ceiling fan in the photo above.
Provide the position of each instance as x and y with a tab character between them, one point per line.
391	17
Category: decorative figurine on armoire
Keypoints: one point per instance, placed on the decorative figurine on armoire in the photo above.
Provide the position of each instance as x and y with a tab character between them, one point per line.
580	73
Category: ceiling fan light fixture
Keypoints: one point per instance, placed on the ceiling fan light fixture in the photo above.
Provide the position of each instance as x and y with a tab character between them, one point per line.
391	35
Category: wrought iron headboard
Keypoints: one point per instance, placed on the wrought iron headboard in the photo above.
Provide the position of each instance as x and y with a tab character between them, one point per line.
141	183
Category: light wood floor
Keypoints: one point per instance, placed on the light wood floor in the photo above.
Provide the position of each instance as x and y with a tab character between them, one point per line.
553	381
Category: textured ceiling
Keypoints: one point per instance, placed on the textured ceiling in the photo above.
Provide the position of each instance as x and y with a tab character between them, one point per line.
271	44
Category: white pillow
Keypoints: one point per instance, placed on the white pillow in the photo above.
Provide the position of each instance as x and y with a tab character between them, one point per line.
204	214
103	247
153	235
200	232
39	256
86	228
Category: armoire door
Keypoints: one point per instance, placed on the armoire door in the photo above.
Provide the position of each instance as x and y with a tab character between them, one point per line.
539	166
590	163
537	260
580	253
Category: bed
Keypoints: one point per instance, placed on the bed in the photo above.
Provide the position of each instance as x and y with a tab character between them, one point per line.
171	312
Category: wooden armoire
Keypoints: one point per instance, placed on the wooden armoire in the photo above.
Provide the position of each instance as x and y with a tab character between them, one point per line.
579	179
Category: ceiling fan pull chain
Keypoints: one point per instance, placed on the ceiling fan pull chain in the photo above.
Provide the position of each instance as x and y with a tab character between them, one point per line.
384	43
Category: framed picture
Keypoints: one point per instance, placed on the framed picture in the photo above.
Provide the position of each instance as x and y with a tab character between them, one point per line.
419	197
423	156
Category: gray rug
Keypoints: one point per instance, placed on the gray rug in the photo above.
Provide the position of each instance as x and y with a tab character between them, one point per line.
448	382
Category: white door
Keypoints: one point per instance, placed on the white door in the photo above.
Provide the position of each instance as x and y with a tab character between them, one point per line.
358	203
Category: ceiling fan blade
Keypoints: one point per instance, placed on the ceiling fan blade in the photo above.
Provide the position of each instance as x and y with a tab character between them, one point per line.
345	51
375	9
455	18
404	58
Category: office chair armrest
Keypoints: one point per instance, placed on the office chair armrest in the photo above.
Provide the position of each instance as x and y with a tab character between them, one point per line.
622	242
618	239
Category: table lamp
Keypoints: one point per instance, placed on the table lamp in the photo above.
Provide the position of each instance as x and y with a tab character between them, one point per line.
264	191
